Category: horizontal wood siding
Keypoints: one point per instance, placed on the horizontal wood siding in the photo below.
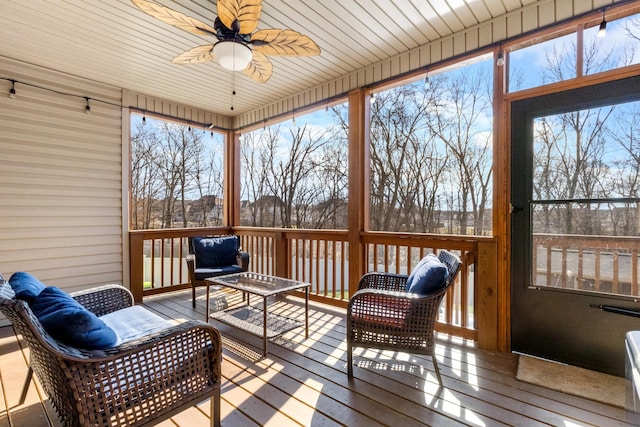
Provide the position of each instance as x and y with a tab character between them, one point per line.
60	178
532	16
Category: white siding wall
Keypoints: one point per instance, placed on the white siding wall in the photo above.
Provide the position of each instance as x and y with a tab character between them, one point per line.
61	178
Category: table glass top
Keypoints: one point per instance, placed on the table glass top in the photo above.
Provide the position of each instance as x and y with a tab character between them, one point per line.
257	283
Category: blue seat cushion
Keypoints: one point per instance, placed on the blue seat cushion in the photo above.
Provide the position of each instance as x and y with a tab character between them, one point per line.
212	252
26	286
429	276
68	321
203	273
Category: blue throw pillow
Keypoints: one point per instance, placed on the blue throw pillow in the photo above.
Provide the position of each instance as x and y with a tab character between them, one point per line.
215	251
68	321
26	286
430	275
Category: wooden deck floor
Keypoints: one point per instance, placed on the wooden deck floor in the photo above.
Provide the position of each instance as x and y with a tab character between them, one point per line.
303	382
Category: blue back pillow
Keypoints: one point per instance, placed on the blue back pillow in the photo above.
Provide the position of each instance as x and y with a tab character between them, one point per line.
430	275
215	251
68	321
26	286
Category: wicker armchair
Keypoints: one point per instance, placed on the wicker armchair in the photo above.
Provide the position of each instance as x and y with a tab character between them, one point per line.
383	315
141	382
198	271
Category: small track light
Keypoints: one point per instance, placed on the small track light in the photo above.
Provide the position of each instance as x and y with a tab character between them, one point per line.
500	59
87	108
12	91
602	31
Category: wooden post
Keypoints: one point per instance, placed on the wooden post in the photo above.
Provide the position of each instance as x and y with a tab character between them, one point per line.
358	183
283	255
502	206
487	296
232	180
136	272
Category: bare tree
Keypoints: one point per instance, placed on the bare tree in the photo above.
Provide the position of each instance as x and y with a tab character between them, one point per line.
625	181
257	152
181	147
457	120
296	176
145	184
545	175
398	132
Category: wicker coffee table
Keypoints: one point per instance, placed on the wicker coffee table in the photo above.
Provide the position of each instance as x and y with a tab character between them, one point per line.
258	320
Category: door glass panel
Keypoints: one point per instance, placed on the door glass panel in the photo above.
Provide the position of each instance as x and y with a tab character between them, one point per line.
585	208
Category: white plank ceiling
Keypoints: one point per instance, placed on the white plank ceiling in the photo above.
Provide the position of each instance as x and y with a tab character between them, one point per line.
113	42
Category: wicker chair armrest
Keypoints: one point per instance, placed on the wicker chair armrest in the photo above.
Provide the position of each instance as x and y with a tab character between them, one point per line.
384	281
191	267
104	299
191	259
243	260
390	299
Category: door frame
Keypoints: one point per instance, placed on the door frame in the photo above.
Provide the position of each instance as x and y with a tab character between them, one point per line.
560	324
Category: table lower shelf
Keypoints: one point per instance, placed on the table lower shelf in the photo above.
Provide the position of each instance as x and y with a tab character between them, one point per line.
250	319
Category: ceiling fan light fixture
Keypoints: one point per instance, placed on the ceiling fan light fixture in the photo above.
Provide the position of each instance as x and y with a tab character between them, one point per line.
232	55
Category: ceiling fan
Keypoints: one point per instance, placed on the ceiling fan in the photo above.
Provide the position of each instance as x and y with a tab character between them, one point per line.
237	46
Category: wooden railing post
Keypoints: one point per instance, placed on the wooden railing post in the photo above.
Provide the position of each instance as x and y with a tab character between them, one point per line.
283	258
136	266
358	184
486	272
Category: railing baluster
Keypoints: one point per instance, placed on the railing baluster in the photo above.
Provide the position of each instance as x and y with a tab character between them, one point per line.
386	257
171	258
153	263
634	272
341	257
580	275
162	263
615	288
563	268
464	295
549	264
597	268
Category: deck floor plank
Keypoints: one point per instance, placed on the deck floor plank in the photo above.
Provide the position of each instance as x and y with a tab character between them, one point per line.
13	371
303	382
6	335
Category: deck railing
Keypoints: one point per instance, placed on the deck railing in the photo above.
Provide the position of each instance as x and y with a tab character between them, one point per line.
320	257
157	259
587	263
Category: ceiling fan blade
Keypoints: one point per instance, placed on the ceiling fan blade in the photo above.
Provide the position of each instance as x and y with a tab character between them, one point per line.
246	12
198	54
260	68
175	18
277	42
